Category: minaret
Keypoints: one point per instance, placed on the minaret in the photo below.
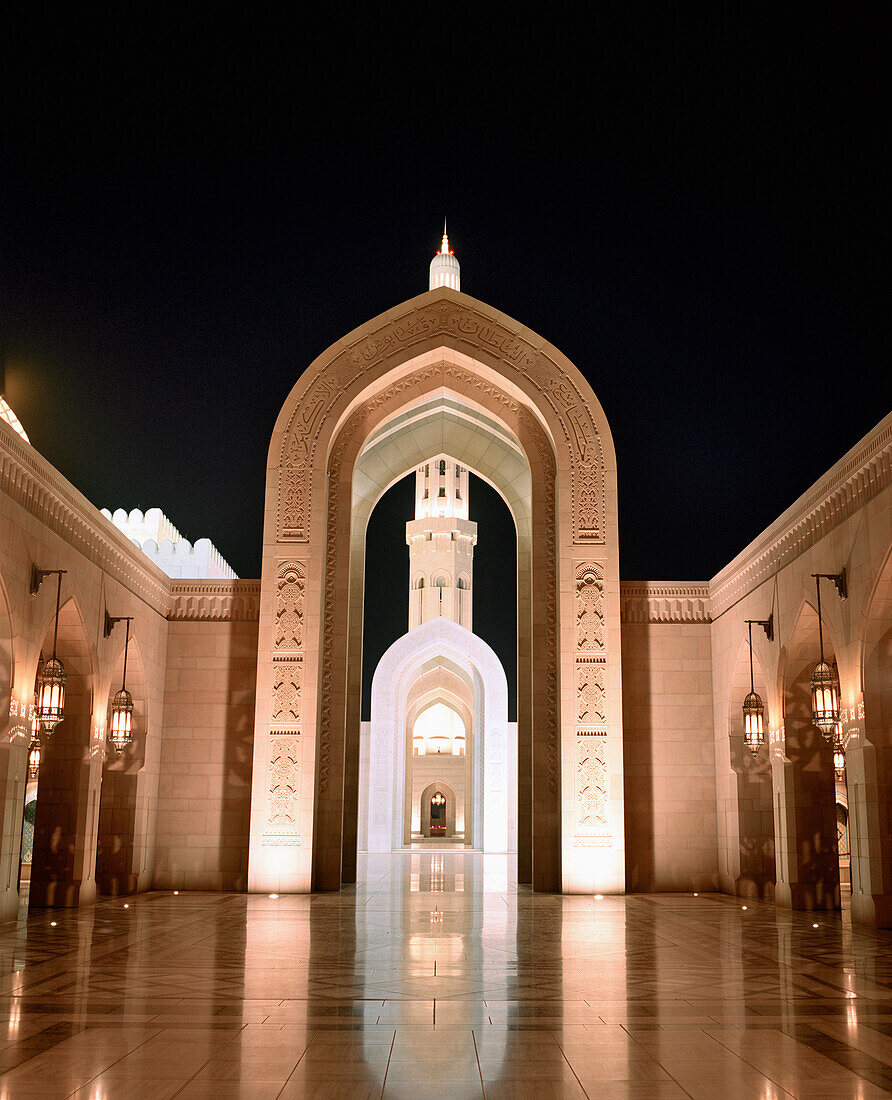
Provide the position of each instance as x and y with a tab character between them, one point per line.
441	542
444	267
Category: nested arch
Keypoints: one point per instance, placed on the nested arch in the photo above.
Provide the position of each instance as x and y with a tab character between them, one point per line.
478	364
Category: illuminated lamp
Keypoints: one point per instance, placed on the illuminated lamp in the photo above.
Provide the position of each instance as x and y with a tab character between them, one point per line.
753	707
120	731
839	753
439	799
34	757
51	678
824	680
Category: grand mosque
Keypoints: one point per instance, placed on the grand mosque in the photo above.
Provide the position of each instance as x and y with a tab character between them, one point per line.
651	858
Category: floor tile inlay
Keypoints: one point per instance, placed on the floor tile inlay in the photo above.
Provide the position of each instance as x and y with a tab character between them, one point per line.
437	976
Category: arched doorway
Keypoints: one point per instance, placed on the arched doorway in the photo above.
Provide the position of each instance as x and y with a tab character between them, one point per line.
749	818
66	819
804	781
442	373
120	853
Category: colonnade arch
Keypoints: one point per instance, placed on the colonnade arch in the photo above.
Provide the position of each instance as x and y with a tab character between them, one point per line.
121	853
440	357
66	823
804	782
750	824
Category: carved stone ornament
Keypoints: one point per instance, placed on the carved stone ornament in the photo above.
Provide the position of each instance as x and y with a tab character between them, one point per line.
290	585
283	788
589	608
591	785
287	685
591	698
471	332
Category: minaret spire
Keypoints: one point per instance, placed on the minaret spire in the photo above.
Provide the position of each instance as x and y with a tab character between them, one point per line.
445	270
441	542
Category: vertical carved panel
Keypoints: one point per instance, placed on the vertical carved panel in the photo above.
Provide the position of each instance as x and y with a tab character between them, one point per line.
591	788
591	827
290	586
589	609
287	685
591	698
283	772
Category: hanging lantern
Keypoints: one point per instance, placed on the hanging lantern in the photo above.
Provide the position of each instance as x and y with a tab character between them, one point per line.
824	681
824	698
51	694
839	753
438	799
753	707
120	731
51	677
753	722
34	747
34	758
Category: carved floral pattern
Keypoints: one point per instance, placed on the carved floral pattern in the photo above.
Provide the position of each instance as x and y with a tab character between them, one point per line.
465	326
290	606
284	782
591	700
589	609
287	684
591	784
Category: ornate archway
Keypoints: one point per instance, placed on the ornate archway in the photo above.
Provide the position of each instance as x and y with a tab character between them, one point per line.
443	359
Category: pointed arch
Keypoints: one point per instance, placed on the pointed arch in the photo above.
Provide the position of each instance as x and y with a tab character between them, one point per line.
442	360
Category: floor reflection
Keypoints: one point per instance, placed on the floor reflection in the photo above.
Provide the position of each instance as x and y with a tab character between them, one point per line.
437	976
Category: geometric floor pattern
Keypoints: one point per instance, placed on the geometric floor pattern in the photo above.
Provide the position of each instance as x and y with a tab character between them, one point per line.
438	977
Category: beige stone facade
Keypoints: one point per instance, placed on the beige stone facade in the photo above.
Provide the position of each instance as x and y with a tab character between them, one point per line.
631	770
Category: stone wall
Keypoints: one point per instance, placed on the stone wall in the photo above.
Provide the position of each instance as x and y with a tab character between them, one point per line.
668	739
205	790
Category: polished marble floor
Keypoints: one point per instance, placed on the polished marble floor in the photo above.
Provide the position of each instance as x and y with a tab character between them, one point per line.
437	977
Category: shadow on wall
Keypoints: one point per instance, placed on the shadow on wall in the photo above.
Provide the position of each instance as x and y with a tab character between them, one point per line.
638	738
238	754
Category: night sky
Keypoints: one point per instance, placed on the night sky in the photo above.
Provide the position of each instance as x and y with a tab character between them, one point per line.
694	212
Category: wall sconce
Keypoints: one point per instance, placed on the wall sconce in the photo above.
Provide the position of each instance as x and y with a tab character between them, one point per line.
824	680
51	678
753	707
120	730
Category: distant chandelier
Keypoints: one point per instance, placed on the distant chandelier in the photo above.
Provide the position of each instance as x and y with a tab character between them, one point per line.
120	732
824	680
34	748
839	753
51	678
438	799
753	707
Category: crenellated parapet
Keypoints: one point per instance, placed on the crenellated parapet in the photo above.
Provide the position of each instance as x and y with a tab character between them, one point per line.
215	601
664	602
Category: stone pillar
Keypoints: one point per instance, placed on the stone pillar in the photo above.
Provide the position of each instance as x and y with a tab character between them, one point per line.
869	784
807	858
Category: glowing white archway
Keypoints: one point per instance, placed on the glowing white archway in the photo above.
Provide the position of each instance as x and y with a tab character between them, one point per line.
469	657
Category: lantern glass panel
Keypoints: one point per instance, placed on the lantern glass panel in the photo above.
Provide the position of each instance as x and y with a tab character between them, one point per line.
824	698
753	722
51	694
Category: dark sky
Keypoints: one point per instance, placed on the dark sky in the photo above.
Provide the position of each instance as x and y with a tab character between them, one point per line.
694	212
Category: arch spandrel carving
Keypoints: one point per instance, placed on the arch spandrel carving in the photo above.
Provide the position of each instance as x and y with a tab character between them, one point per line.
453	321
